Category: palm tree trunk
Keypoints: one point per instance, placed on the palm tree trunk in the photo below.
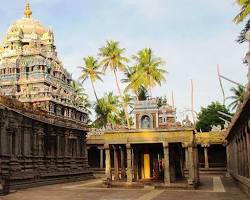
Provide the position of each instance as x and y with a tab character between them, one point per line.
124	107
151	93
117	83
126	115
94	90
150	87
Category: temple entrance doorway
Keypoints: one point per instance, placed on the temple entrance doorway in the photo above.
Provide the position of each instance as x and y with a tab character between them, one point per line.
148	162
94	157
176	161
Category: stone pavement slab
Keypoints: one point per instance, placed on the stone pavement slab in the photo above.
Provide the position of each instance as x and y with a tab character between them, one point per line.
212	188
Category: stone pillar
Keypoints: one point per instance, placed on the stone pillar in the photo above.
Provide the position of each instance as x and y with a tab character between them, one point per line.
238	156
135	164
245	155
41	142
123	168
129	159
166	164
101	158
57	145
186	157
205	146
196	166
116	163
107	163
66	135
248	149
27	141
191	169
241	157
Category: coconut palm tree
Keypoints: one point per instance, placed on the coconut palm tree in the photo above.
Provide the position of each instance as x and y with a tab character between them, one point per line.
112	58
90	70
107	110
133	82
142	94
237	97
149	70
127	103
80	97
244	11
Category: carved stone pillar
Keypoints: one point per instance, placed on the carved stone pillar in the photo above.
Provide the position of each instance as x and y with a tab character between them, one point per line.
206	146
107	163
66	136
241	157
237	156
40	136
101	158
166	164
129	164
135	164
27	141
191	178
116	165
245	160
123	168
248	149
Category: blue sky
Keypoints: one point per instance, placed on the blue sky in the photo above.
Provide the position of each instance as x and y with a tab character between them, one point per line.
192	36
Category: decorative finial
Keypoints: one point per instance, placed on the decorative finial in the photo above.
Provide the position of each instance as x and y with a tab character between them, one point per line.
27	10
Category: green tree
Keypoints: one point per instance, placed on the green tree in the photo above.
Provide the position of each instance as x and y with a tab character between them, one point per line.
238	96
161	101
209	116
81	98
242	37
127	103
90	70
112	58
148	69
107	110
142	94
244	10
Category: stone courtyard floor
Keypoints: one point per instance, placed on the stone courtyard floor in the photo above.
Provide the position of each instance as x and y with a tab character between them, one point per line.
212	188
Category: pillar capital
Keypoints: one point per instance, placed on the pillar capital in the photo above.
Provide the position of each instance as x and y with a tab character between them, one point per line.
224	143
191	144
128	146
101	148
205	145
121	148
184	145
115	147
165	144
106	146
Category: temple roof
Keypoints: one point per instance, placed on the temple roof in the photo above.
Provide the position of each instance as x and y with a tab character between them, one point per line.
28	24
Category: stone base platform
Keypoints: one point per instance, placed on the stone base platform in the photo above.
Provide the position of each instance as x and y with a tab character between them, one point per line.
49	179
181	184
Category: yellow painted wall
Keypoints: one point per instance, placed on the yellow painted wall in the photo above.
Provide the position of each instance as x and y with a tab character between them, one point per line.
146	166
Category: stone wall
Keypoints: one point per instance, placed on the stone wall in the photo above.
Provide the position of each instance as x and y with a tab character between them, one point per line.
34	152
238	147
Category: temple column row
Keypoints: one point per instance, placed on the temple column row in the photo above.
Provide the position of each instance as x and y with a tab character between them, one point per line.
166	164
248	148
242	156
205	147
124	173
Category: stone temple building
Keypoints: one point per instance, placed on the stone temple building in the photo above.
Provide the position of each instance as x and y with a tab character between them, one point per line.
42	125
238	144
157	150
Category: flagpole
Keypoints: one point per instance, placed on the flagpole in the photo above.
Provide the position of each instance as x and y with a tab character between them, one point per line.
219	76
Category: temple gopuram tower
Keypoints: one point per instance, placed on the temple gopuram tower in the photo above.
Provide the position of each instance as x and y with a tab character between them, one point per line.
43	126
31	72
